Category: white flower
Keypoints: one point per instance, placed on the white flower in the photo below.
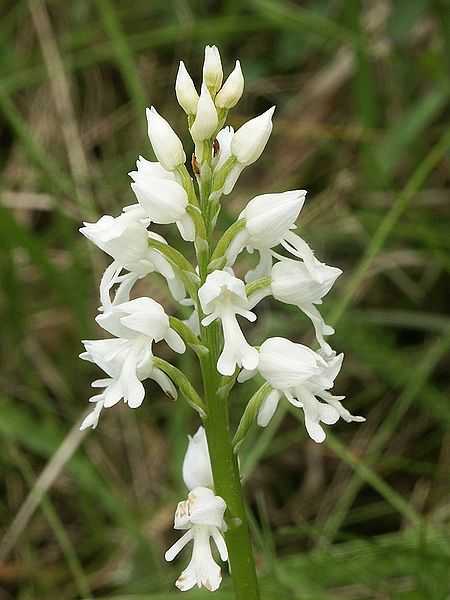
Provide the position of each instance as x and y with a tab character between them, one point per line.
269	216
197	465
212	68
206	121
141	319
246	145
232	89
164	201
202	516
128	359
127	363
125	238
185	90
302	376
269	221
250	140
223	296
165	142
147	167
292	283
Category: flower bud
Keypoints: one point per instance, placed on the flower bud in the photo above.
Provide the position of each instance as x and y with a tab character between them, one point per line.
196	465
250	140
270	216
166	144
232	89
206	121
185	90
212	68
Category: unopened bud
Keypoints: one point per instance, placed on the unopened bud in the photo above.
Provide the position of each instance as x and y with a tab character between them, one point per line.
165	142
196	464
185	90
212	68
206	121
232	89
250	140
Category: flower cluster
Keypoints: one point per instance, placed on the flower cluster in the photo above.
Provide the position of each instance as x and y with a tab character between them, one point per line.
286	268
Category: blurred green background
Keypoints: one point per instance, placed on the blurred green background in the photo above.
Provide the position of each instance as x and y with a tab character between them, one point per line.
361	90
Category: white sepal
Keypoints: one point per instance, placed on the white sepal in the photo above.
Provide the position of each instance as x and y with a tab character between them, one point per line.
162	200
285	364
141	317
292	283
268	408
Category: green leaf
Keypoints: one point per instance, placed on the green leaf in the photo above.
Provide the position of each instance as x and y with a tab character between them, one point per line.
188	336
183	384
249	416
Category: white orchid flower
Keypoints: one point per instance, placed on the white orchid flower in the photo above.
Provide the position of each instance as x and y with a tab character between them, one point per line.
202	516
304	377
223	296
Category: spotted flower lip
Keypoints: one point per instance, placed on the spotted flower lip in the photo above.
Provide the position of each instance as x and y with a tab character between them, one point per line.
223	296
202	517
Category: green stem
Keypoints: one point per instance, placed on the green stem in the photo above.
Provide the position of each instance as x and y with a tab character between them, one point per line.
223	460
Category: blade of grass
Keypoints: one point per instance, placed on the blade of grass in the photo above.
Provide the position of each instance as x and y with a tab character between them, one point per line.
418	379
379	237
56	525
124	58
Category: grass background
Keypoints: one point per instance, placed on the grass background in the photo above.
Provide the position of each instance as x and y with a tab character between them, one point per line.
361	90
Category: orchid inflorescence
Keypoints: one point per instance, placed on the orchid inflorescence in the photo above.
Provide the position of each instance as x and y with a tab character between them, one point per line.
166	194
